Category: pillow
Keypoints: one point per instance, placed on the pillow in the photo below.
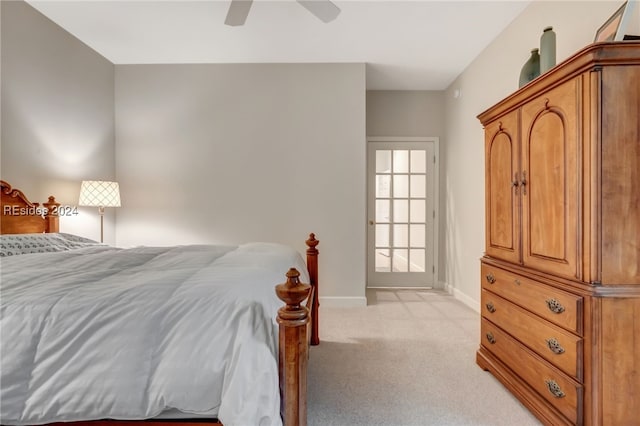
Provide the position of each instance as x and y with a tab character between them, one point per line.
16	244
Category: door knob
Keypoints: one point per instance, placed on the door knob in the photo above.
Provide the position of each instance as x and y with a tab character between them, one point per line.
371	222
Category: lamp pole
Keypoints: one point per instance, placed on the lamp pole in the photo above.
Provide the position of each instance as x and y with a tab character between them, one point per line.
101	211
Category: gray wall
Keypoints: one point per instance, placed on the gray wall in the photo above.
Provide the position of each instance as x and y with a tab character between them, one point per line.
414	113
57	114
490	77
236	153
225	141
405	113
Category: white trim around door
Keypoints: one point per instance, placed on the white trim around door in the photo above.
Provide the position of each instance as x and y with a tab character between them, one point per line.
404	279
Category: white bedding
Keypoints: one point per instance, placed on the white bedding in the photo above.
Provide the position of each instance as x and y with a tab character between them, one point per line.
100	332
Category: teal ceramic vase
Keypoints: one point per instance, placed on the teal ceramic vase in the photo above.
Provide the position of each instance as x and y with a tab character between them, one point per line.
531	68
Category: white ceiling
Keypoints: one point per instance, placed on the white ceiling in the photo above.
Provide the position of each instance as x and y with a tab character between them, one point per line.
407	45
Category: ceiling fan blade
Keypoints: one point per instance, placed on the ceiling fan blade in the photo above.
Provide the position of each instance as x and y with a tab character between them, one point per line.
237	13
325	10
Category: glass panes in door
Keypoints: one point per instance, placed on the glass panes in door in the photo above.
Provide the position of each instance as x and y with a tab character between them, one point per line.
400	210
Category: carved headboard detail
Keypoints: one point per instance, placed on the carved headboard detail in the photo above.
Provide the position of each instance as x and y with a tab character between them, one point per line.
18	215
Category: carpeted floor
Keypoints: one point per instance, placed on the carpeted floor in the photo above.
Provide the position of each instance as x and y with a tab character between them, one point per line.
406	359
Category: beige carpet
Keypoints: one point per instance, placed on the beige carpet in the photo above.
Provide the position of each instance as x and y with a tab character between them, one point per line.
406	359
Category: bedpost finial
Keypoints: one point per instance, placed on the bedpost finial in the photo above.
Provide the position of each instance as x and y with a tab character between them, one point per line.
292	293
50	205
312	243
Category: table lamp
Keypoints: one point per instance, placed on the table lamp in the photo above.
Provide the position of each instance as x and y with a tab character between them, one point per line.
101	194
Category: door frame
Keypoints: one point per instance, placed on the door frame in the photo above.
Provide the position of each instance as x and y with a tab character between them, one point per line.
436	202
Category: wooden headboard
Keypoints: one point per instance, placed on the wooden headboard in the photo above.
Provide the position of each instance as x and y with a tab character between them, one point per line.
18	215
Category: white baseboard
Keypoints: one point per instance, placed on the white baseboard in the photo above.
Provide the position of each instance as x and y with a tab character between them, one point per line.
470	302
343	302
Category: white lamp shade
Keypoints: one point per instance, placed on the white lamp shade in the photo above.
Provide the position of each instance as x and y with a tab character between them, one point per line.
99	193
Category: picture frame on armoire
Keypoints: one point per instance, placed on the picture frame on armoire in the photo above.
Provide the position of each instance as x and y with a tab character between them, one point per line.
613	29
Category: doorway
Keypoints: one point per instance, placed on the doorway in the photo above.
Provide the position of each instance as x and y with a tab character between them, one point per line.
402	209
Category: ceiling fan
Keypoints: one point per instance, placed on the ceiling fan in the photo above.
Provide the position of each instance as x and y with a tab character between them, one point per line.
324	10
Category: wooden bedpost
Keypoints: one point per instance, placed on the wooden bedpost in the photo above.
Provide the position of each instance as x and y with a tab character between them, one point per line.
312	267
294	350
51	217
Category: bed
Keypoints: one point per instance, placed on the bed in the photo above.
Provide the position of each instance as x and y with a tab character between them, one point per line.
93	332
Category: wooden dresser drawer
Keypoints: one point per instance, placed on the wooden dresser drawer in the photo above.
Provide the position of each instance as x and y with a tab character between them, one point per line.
556	345
558	306
556	387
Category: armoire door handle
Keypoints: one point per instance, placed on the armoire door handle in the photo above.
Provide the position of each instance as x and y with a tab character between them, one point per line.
515	182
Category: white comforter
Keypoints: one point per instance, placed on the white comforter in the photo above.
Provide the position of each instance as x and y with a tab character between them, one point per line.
101	332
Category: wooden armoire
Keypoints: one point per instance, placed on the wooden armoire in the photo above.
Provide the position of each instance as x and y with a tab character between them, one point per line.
561	272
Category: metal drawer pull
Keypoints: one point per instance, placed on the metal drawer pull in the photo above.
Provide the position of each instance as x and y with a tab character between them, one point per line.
555	306
490	338
554	346
554	389
490	278
490	307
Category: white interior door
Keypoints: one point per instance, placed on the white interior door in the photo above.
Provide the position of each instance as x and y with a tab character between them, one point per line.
402	203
